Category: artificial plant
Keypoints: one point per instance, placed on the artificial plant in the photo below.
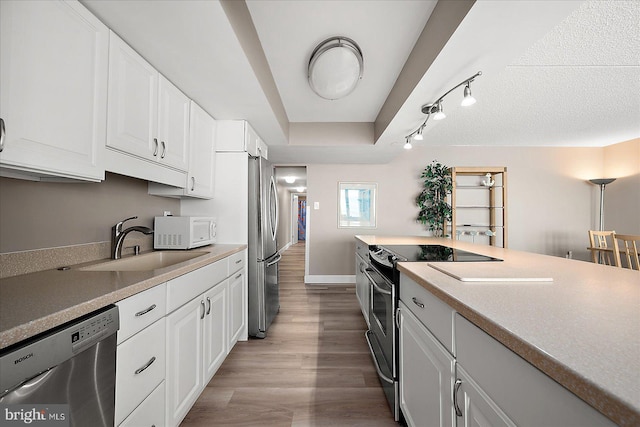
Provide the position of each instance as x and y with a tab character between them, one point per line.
432	200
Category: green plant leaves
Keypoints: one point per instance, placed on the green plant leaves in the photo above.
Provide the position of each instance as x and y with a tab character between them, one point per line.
432	200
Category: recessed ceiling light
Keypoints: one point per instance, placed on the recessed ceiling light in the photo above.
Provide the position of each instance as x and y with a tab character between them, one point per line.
290	179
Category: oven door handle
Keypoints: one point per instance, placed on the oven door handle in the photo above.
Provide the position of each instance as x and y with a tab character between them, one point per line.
373	282
375	359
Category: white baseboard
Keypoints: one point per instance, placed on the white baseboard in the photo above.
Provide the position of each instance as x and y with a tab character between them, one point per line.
329	280
285	247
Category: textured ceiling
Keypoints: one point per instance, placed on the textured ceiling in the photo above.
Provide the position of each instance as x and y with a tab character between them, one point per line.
577	86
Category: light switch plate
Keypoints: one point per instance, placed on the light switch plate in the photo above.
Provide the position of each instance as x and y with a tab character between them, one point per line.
316	205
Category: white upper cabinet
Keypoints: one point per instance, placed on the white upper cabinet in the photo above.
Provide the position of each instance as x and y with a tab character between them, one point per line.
173	125
201	168
239	136
53	75
148	120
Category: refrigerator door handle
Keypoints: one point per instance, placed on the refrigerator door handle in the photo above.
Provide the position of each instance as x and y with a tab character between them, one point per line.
276	260
273	192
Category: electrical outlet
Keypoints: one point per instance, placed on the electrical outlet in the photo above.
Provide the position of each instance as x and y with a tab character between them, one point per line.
316	205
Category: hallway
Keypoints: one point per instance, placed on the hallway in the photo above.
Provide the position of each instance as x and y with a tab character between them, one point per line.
313	369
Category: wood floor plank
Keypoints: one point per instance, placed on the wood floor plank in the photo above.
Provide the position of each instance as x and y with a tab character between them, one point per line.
313	369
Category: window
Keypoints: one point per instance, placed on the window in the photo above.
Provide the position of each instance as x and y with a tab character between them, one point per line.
357	205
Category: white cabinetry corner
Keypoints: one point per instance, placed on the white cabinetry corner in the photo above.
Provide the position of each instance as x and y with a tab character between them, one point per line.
239	136
140	367
200	181
498	386
148	120
53	102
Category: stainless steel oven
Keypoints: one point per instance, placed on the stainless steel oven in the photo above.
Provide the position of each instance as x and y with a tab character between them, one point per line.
384	280
382	335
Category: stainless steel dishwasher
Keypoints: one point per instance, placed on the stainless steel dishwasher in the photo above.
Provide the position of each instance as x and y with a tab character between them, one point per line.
66	374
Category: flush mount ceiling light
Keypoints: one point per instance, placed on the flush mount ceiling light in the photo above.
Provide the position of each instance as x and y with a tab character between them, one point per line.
335	68
289	179
435	108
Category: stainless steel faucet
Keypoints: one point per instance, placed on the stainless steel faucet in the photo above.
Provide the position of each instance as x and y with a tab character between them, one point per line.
118	235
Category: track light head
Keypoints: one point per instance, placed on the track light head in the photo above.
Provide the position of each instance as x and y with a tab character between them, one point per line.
418	136
407	145
439	113
468	98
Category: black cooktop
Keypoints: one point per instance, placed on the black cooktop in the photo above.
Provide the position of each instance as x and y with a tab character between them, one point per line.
389	254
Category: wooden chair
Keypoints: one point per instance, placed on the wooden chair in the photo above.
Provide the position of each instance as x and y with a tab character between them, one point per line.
601	252
626	244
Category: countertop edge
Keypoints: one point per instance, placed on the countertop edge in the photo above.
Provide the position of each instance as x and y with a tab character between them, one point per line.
37	326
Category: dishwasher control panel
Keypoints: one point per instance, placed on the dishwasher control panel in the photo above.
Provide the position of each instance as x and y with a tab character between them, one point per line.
93	329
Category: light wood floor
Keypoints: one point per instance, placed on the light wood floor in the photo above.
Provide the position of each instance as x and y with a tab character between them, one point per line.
313	369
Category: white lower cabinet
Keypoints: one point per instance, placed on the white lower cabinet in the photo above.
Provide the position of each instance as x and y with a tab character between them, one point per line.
499	388
184	359
237	296
140	357
426	375
362	287
149	413
214	332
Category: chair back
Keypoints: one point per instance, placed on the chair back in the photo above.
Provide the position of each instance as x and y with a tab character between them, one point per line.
627	245
601	251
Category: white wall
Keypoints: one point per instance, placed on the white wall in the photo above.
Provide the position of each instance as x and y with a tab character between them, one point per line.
551	206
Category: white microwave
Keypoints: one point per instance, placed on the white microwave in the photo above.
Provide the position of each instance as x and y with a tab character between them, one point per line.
183	232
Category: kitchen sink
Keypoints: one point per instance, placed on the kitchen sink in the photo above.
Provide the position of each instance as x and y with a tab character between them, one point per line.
145	262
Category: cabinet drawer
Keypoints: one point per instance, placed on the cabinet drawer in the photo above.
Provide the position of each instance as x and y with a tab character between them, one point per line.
433	313
140	367
148	414
184	288
140	310
236	262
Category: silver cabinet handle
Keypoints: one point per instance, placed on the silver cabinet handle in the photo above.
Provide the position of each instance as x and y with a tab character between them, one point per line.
2	133
193	183
416	302
456	387
153	359
397	318
238	261
239	275
143	312
164	149
209	308
155	150
203	309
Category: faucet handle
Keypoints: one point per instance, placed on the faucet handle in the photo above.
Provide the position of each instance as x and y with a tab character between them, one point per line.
118	226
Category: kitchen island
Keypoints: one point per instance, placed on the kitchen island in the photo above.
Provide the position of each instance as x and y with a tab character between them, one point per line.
581	328
37	302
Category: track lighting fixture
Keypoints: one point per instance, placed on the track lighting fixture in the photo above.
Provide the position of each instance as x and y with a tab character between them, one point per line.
407	144
436	110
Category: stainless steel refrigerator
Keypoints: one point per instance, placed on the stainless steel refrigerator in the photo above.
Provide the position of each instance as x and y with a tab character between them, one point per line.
264	299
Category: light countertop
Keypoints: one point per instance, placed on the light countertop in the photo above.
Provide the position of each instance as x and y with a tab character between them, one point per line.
582	328
36	302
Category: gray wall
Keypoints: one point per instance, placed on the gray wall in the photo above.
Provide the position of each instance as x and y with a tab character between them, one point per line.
551	206
37	215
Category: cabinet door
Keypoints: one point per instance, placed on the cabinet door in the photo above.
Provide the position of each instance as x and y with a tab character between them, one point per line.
426	375
215	329
173	125
53	74
184	380
477	409
133	102
202	147
236	307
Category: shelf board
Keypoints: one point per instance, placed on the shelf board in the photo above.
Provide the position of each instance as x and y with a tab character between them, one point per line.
479	207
